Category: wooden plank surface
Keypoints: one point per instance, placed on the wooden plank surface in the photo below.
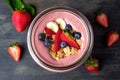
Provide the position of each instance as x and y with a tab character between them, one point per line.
27	69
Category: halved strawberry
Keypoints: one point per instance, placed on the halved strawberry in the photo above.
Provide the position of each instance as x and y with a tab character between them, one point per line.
15	51
112	38
102	19
69	40
49	32
92	64
57	40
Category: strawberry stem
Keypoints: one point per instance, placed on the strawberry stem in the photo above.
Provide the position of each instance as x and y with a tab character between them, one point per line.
92	62
14	44
98	13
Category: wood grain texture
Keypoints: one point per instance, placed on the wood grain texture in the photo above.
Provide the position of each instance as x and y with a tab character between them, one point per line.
27	69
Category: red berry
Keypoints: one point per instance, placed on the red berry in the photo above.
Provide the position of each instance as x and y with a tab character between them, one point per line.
57	40
21	19
102	19
15	51
112	38
92	65
64	37
49	32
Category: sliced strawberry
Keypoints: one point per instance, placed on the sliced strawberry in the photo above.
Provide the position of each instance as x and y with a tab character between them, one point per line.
102	19
57	40
15	51
92	65
49	32
69	40
112	38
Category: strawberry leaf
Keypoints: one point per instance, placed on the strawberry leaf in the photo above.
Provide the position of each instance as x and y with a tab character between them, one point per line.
19	5
9	4
15	4
92	62
30	9
14	44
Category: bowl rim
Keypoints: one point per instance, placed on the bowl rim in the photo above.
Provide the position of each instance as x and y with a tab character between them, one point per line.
67	68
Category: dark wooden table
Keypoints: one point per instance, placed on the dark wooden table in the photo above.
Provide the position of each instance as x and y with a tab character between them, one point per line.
27	69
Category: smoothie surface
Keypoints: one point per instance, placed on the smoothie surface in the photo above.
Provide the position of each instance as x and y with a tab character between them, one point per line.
78	25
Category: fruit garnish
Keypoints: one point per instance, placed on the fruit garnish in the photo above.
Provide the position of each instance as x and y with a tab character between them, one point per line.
63	44
47	42
15	51
22	14
52	26
77	35
57	40
21	19
42	36
64	37
58	37
68	27
49	32
102	19
92	64
112	38
61	23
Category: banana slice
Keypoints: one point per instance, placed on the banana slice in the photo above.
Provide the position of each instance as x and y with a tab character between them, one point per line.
61	22
53	26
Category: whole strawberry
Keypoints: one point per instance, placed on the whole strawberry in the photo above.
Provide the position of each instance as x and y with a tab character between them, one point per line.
15	51
102	19
21	19
22	14
92	65
112	38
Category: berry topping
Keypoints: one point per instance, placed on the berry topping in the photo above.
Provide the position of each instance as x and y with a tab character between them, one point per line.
68	27
47	42
77	35
61	39
49	32
69	40
57	40
63	44
42	36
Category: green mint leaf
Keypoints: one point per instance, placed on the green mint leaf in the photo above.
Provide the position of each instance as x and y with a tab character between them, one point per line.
30	9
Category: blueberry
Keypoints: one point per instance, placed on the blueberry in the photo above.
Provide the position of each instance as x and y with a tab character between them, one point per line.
47	42
77	35
68	27
42	36
63	44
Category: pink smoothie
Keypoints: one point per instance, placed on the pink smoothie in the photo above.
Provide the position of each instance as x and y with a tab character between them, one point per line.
43	52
